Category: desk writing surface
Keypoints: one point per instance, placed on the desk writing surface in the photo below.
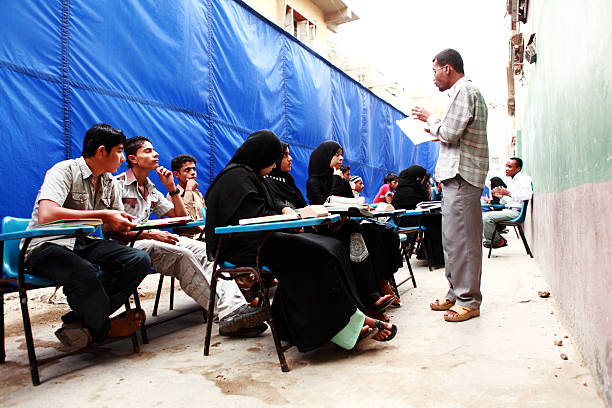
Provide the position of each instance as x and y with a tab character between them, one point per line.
492	205
47	232
307	222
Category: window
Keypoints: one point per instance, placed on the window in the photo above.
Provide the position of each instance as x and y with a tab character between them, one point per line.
300	27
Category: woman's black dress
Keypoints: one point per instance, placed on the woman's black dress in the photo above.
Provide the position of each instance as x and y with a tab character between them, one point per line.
408	194
381	240
316	295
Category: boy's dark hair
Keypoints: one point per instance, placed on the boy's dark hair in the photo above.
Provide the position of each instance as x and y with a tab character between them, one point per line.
132	145
450	57
101	134
344	168
181	159
390	177
519	162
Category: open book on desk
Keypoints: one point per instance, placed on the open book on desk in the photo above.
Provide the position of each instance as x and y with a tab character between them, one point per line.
311	211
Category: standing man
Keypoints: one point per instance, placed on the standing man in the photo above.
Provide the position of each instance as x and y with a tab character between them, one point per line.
462	167
519	189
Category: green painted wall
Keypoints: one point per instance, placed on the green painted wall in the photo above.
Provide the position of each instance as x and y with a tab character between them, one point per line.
567	127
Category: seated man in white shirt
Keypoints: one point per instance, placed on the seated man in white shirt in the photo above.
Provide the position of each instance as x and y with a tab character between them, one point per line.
178	256
519	189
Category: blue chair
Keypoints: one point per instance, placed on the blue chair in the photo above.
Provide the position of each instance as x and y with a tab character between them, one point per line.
14	279
517	223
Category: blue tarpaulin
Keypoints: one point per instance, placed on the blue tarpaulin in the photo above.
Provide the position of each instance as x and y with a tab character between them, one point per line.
195	76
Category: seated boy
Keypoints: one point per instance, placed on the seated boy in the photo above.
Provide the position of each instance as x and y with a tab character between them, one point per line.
184	169
173	255
84	188
385	193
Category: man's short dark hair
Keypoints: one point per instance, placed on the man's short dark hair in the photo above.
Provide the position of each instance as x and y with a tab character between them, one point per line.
101	134
450	57
181	159
519	162
132	145
344	168
390	177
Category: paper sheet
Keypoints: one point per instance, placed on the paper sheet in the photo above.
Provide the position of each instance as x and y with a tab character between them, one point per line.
415	130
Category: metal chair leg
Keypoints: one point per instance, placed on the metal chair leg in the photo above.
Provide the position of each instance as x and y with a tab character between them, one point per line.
492	240
520	229
3	350
211	309
158	294
171	293
143	329
27	328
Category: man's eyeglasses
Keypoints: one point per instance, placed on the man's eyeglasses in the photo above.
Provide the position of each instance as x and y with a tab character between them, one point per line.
436	70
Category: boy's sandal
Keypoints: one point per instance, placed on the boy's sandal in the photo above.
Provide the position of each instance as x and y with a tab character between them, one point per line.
442	306
463	313
379	326
73	336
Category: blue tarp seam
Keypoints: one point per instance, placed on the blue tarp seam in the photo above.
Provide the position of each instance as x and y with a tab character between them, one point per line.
211	139
285	94
65	67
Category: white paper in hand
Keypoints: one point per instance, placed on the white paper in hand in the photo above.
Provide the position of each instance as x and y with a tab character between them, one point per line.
415	130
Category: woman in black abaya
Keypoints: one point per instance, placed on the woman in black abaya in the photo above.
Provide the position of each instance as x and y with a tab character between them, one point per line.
409	192
281	184
315	301
382	256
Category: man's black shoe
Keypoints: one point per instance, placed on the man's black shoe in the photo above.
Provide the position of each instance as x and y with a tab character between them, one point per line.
246	331
244	317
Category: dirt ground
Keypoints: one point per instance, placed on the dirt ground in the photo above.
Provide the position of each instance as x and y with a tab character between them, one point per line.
508	357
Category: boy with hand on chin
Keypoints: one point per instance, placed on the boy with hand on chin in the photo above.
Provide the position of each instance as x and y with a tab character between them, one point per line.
178	256
184	169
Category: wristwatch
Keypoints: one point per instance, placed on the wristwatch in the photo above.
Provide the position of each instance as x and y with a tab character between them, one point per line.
175	192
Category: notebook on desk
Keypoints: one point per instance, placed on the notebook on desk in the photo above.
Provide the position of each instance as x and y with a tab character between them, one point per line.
165	221
311	211
73	222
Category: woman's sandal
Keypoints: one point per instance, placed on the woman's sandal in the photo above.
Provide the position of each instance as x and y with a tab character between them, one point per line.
463	314
384	305
379	326
386	289
442	306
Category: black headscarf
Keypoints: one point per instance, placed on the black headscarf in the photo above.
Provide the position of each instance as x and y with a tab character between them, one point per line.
320	158
321	181
409	191
496	182
238	191
282	186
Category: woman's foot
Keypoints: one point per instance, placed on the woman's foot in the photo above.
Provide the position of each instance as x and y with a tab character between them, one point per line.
126	323
386	331
377	315
386	289
383	303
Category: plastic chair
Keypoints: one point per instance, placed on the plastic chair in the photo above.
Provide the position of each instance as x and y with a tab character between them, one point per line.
15	279
517	223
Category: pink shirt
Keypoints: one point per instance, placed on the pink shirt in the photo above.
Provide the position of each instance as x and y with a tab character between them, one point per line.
385	189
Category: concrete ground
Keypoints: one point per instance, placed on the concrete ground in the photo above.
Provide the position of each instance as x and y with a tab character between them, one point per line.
507	357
